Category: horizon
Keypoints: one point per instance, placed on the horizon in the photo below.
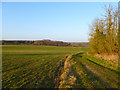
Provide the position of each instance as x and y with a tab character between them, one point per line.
56	21
50	40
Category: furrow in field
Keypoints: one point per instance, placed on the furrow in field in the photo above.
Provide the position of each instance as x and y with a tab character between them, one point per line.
59	71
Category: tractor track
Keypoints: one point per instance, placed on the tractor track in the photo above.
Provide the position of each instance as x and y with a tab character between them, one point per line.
69	76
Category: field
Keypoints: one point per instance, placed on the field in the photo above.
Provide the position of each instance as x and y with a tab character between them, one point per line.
32	66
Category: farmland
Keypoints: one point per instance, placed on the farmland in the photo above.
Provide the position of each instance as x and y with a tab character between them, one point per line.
33	66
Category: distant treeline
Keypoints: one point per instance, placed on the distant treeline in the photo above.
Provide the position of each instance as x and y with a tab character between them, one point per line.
51	43
15	42
80	44
44	42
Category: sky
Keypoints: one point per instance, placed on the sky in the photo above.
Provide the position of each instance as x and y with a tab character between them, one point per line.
61	21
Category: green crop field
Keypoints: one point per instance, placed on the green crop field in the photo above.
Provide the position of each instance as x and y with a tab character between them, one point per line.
33	66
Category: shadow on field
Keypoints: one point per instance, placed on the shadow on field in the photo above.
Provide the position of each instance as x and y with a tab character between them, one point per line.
103	66
78	55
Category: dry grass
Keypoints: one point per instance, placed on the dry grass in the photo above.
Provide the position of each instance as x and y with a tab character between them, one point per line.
67	78
110	58
113	57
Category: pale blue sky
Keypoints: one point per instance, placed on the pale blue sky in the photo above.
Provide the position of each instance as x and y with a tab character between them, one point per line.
47	20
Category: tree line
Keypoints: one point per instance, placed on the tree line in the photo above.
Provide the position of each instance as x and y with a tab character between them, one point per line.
51	43
38	42
104	36
44	42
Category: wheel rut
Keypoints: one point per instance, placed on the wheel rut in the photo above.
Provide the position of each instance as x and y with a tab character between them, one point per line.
70	76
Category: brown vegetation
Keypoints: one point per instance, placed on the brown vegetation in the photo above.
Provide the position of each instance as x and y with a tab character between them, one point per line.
104	33
67	78
112	58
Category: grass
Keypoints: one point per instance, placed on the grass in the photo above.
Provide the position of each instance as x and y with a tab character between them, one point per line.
95	72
